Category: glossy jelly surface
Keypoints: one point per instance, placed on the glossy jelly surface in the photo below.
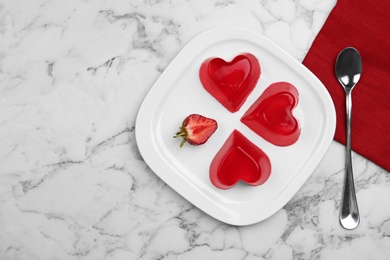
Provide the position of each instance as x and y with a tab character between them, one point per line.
230	82
239	160
271	115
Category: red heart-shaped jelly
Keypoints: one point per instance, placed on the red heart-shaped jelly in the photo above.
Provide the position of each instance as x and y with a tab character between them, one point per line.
239	160
230	82
271	115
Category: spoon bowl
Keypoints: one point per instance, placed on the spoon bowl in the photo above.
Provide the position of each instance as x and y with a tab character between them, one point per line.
348	72
348	68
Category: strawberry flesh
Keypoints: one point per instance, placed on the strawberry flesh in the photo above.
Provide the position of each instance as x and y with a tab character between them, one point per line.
196	129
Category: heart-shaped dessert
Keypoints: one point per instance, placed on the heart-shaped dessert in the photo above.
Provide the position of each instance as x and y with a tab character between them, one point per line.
239	160
230	82
271	115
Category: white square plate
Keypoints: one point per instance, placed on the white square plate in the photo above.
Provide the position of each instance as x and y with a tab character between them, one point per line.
178	92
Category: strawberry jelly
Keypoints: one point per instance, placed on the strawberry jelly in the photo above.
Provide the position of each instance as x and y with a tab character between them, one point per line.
271	115
239	160
230	82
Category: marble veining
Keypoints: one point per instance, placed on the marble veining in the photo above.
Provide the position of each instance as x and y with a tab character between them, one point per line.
73	184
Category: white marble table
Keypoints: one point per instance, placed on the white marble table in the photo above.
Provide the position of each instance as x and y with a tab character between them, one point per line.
72	182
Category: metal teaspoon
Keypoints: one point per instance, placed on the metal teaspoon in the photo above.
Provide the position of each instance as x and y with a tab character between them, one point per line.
348	71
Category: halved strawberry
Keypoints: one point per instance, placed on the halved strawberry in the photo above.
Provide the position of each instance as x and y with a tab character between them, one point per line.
196	129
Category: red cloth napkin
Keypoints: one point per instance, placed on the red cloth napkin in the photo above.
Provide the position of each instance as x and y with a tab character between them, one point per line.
364	25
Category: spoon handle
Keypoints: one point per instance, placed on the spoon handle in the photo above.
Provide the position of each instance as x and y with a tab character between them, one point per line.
349	214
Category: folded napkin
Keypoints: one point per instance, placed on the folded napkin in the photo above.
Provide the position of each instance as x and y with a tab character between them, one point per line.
364	25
